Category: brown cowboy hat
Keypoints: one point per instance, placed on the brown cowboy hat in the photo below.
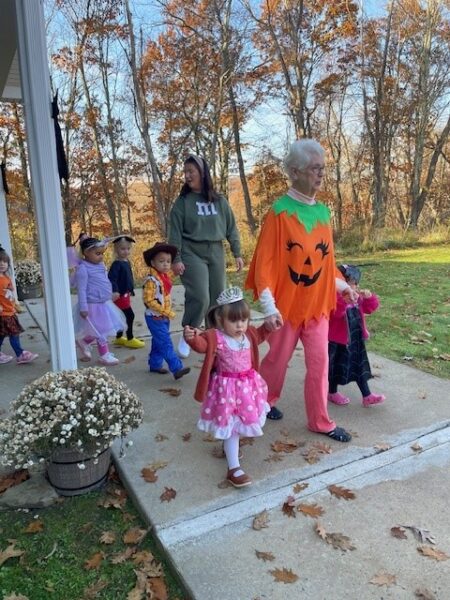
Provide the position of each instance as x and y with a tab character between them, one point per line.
156	249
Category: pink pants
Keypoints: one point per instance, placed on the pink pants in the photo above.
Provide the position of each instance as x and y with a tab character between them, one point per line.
314	337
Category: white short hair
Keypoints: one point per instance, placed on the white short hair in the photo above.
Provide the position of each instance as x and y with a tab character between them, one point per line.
301	153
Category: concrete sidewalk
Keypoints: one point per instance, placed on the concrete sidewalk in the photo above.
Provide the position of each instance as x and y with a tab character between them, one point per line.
397	465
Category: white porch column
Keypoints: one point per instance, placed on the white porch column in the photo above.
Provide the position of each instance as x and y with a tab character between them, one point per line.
5	239
35	82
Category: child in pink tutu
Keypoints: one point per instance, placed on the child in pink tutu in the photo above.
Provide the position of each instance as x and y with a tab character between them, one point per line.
232	393
95	314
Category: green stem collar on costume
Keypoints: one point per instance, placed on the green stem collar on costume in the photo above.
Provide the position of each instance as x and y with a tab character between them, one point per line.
309	215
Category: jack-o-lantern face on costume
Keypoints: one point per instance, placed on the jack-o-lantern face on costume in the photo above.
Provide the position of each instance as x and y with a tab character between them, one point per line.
303	265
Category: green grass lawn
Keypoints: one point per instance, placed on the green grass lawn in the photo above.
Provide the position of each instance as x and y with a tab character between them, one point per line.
413	321
59	559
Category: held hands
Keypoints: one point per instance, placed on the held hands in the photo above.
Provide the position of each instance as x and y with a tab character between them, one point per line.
189	332
239	264
365	293
115	296
350	295
178	268
273	322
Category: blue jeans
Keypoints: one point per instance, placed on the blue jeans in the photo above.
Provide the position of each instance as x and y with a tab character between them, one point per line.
14	340
162	348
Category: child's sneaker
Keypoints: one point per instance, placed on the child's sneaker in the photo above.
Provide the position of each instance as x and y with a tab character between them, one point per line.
183	348
5	358
134	343
121	341
26	357
108	359
85	350
338	399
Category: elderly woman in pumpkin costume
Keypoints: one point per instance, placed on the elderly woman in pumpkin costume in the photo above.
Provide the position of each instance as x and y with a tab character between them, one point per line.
294	275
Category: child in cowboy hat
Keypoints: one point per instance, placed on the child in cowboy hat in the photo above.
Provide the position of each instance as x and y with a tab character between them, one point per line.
156	296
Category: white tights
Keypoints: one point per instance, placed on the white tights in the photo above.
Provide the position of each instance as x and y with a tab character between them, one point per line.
231	449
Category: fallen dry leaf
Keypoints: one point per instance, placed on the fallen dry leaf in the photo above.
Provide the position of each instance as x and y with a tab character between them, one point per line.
273	458
143	557
424	594
112	502
299	487
261	520
265	556
134	535
218	452
94	562
149	475
416	447
159	437
341	492
311	510
14	596
35	526
433	553
128	360
186	437
383	578
382	447
248	441
399	533
91	592
121	557
108	537
284	575
168	494
323	448
171	391
209	438
289	506
422	535
158	588
444	356
339	541
10	552
286	446
321	531
159	464
13	479
311	456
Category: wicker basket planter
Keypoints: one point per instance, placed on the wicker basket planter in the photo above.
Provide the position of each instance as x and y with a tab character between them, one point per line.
68	479
28	292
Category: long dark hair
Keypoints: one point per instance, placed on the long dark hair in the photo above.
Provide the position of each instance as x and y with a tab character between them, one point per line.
208	190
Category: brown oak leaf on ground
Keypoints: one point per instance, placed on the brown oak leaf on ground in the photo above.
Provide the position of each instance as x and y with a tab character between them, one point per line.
149	475
261	520
265	556
311	510
312	456
122	557
339	541
299	487
399	533
341	492
134	535
186	437
94	562
286	446
284	575
424	594
129	360
168	494
433	553
248	441
171	391
93	590
35	526
383	578
323	448
421	534
108	537
10	552
13	479
143	557
288	507
416	447
382	447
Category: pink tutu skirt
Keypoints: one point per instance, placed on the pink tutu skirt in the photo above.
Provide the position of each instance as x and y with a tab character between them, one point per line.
104	319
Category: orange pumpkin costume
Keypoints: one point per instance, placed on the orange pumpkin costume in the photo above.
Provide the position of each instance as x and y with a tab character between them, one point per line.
294	259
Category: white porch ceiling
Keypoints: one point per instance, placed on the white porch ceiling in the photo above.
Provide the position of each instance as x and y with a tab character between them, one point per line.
10	88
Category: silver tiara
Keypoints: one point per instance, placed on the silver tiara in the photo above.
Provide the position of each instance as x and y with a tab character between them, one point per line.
230	295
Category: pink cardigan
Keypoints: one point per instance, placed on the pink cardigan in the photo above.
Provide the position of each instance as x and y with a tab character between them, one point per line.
338	331
206	343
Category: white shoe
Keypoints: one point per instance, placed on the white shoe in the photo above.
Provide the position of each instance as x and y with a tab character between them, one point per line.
108	359
85	350
183	348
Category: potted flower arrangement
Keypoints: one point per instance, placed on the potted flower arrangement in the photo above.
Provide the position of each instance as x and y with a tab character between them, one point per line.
69	419
28	279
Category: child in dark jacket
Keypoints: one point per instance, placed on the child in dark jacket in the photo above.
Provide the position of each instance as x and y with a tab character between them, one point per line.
348	360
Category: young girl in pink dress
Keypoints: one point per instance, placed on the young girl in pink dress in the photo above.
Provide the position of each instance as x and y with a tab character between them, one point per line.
232	392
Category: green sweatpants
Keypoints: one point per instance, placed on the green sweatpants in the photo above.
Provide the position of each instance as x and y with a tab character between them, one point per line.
203	278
